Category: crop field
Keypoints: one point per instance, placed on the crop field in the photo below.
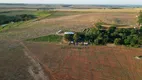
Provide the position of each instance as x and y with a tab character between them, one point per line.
89	62
75	21
13	63
104	10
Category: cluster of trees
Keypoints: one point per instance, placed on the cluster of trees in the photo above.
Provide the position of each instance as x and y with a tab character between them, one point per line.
130	36
7	19
98	36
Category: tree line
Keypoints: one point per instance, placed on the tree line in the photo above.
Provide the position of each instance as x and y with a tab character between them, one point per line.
7	19
99	36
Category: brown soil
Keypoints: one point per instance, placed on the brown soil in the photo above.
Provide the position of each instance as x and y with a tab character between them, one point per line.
89	63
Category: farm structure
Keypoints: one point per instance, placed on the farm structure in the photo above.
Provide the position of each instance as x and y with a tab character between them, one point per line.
68	33
68	36
88	63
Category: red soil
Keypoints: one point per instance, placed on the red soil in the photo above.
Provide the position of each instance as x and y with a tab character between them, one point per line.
91	63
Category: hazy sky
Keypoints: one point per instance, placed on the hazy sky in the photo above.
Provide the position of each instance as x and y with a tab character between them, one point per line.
75	1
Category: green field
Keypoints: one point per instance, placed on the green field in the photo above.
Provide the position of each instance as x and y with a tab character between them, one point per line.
49	38
39	14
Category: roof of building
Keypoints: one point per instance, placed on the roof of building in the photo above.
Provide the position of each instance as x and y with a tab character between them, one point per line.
68	32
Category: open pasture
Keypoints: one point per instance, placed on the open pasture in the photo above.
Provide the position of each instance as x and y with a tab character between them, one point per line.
88	63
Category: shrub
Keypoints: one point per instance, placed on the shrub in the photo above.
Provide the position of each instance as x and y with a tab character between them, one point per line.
117	41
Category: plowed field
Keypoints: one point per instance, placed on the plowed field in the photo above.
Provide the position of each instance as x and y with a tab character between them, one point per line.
88	63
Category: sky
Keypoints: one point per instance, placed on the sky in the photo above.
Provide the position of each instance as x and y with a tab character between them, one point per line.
135	2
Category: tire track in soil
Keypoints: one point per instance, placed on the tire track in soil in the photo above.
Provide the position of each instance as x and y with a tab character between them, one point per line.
91	71
133	67
130	68
102	73
126	73
37	70
62	64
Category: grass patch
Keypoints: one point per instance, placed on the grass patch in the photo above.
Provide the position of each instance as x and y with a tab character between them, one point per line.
42	14
11	25
49	38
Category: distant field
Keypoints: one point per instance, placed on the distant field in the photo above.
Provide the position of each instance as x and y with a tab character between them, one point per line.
67	20
103	10
90	63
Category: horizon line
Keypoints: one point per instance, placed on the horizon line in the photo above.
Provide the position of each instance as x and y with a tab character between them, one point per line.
72	4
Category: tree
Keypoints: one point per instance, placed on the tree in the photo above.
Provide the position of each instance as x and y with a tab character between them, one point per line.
141	29
140	40
133	31
117	41
91	34
76	37
81	36
140	18
132	40
111	33
98	41
127	41
112	28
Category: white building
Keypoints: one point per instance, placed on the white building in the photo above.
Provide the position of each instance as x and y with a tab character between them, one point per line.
68	32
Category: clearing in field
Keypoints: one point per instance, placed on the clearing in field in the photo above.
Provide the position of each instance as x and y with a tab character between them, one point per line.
64	62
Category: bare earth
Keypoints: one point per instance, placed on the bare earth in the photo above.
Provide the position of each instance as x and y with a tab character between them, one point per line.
88	63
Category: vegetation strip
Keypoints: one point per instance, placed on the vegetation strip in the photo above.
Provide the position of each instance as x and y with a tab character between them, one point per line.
49	38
